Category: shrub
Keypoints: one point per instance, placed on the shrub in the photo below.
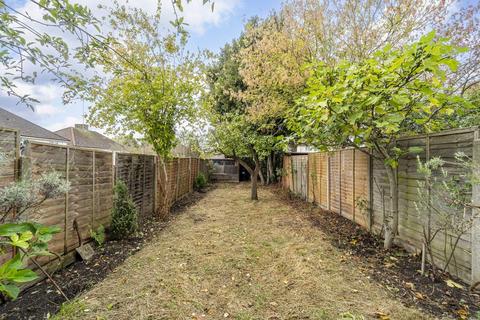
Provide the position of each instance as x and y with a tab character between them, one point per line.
98	235
200	181
124	215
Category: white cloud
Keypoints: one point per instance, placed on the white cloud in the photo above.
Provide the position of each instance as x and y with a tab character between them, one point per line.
67	122
47	109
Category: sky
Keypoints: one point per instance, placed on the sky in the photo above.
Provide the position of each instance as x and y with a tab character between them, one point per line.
208	30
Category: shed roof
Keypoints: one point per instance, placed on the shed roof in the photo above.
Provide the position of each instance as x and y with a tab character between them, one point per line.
82	137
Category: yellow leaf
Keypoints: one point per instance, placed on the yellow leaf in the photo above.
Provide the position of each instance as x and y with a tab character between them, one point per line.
419	296
381	316
453	284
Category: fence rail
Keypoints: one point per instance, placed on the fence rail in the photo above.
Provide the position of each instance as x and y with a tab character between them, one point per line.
339	180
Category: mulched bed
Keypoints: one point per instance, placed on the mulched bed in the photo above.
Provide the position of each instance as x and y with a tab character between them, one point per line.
395	269
43	299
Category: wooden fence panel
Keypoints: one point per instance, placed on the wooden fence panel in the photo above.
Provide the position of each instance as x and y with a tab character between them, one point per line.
346	185
335	182
104	189
361	191
80	196
9	146
44	159
300	176
137	171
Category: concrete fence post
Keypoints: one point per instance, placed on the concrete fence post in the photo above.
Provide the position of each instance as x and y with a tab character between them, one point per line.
476	211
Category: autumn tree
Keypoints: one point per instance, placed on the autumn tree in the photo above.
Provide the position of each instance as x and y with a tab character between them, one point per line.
227	100
370	104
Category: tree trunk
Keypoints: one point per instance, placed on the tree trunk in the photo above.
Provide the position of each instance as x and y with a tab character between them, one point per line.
391	224
253	177
254	192
260	174
254	195
270	175
163	183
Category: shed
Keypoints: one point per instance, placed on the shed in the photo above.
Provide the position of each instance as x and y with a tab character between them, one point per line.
225	169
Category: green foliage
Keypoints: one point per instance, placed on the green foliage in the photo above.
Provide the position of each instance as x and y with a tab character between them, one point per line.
124	215
372	103
98	235
31	240
29	49
225	81
152	82
234	136
200	181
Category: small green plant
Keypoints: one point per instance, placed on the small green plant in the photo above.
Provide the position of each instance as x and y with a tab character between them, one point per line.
124	215
98	235
200	181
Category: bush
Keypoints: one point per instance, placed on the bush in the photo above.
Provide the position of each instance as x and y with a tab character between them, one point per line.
98	235
124	215
200	181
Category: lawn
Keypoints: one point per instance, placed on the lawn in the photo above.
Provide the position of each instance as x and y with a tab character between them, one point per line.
227	257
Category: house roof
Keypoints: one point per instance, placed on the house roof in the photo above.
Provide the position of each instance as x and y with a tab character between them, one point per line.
25	127
82	137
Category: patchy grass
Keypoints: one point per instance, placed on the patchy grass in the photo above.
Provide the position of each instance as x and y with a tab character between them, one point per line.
230	258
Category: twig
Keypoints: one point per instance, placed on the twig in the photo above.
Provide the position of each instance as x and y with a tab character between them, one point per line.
46	274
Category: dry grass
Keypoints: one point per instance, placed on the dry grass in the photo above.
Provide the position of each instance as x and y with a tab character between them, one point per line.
230	258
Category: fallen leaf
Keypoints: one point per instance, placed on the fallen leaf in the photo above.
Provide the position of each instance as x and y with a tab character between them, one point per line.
463	313
410	285
381	316
419	296
453	284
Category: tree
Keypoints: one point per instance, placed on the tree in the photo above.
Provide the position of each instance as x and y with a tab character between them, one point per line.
271	67
236	138
230	112
369	105
148	84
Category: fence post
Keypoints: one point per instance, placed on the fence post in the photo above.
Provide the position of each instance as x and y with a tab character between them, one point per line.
93	189
370	193
67	178
155	187
476	211
353	184
329	177
190	178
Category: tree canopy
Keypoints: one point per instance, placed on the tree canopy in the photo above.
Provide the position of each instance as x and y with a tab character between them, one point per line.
370	104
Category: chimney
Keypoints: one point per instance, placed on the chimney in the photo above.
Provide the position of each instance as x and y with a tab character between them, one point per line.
81	126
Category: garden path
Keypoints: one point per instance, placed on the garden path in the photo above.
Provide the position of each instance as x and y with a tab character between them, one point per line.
227	257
